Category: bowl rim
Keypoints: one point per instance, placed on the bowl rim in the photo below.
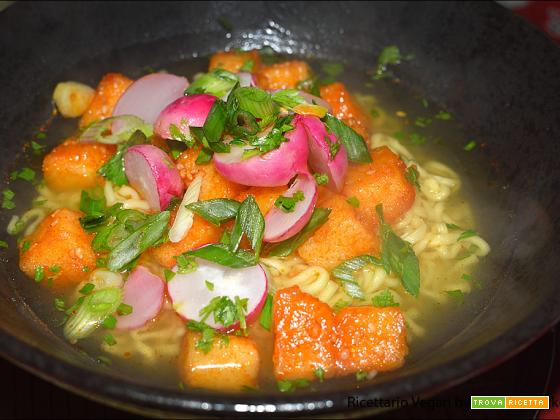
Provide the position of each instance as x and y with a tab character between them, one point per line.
120	392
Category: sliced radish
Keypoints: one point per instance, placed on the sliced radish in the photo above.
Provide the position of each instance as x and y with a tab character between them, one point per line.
184	112
147	96
143	291
150	171
319	153
272	169
184	217
280	225
191	292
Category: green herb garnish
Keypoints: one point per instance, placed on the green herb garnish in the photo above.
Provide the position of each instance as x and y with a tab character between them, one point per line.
124	309
467	234
456	295
397	256
361	375
206	340
168	274
384	299
470	146
217	210
290	386
321	179
4	244
109	340
39	274
113	170
209	285
265	318
354	143
443	115
249	221
390	55
221	254
319	373
353	201
288	204
185	264
7	200
412	176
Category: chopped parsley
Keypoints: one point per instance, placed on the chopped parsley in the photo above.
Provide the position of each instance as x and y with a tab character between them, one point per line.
27	174
206	340
7	200
109	340
390	55
185	264
384	299
288	204
470	146
361	375
290	386
124	309
321	179
412	176
225	311
37	148
416	138
319	373
443	115
168	274
353	201
456	295
422	122
39	274
4	244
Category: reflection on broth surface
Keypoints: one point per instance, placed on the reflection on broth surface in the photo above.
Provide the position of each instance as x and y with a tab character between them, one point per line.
362	255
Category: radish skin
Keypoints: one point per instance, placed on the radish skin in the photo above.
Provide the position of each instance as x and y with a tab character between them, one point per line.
152	173
143	291
271	169
280	225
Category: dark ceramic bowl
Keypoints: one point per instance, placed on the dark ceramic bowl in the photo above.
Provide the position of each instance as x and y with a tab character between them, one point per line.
499	76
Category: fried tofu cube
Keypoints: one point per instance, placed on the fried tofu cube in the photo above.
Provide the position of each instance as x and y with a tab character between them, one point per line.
346	108
108	92
61	248
284	75
370	339
73	165
201	233
214	185
264	196
303	336
234	60
342	236
230	365
382	181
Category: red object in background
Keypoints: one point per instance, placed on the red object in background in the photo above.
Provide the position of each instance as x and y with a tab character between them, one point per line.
544	14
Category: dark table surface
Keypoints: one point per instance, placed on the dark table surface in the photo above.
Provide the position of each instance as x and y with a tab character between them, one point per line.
535	371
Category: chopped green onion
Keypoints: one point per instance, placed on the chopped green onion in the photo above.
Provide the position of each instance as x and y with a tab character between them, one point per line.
443	115
4	244
110	322
361	375
55	269
86	290
291	385
467	234
36	147
288	204
456	295
209	285
319	373
185	264
109	340
354	143
7	201
217	210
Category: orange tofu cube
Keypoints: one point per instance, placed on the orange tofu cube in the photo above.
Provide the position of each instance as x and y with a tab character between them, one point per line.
341	237
234	60
73	165
303	336
382	181
370	339
284	75
214	185
264	196
61	247
108	92
201	233
228	366
346	108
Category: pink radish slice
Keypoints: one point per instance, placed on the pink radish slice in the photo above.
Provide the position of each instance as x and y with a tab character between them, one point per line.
147	96
312	99
319	154
190	292
272	169
184	112
144	292
280	225
150	172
